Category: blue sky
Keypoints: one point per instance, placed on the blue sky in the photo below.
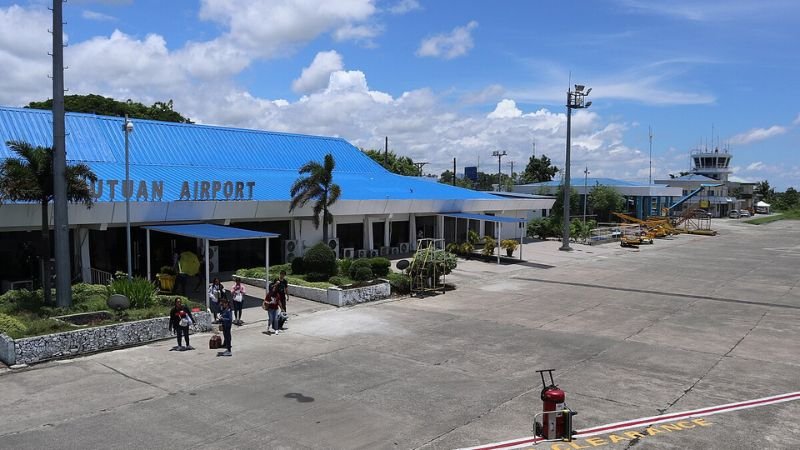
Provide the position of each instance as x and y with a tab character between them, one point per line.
447	79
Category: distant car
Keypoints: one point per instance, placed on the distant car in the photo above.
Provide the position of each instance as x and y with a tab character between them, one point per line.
744	213
734	214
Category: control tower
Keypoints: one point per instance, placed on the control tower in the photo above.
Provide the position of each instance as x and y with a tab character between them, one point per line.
712	164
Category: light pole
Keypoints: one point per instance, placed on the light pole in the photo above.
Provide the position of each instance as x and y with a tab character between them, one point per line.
585	192
127	128
499	156
575	100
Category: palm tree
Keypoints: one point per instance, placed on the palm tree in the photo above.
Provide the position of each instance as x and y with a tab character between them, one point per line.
319	186
29	178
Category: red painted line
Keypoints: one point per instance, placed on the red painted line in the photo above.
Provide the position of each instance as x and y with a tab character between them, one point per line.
648	421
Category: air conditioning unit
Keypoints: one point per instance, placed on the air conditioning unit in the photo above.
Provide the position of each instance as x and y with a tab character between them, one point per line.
333	244
384	251
394	251
374	252
213	258
362	253
348	253
404	247
292	249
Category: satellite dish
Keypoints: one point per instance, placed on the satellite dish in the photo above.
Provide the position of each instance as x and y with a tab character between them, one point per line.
402	264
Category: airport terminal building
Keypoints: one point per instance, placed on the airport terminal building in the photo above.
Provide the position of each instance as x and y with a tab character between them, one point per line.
189	173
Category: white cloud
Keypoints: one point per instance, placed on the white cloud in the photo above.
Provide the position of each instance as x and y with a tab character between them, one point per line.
404	6
316	75
24	44
796	120
505	109
449	45
97	16
758	165
358	33
757	134
716	11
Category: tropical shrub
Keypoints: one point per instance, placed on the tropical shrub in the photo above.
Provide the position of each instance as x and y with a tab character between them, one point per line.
168	270
473	238
317	276
338	281
488	245
357	265
361	273
430	262
400	283
380	266
298	265
509	244
466	248
140	292
12	326
344	266
322	260
20	300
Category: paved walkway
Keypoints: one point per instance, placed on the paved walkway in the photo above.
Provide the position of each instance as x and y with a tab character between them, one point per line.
685	324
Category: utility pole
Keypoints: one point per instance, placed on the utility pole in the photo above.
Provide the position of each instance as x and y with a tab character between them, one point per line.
386	152
511	175
419	167
454	171
575	100
499	156
60	216
650	179
585	192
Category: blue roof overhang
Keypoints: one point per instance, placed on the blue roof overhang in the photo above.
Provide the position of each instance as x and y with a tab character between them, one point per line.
211	232
503	219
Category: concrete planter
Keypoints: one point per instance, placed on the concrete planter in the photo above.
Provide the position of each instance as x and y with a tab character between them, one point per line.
334	295
90	340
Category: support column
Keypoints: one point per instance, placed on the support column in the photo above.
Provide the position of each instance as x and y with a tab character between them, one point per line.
208	280
84	253
439	227
147	240
266	259
387	229
481	228
412	231
367	234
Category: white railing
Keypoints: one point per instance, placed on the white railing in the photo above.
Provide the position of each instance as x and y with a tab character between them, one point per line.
101	277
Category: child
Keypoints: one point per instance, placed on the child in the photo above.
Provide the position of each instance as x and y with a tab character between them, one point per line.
226	317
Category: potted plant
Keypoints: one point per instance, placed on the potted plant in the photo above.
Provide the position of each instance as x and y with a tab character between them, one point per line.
166	278
510	245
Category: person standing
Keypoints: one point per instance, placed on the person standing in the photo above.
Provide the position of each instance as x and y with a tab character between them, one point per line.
271	303
281	287
238	292
226	317
180	318
216	292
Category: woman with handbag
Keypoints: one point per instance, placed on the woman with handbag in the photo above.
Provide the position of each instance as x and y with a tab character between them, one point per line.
180	318
238	292
216	292
271	305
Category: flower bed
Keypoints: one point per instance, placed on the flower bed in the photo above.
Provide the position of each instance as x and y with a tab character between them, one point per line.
89	340
337	296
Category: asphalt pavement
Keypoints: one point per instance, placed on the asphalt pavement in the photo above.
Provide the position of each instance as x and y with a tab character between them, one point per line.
686	323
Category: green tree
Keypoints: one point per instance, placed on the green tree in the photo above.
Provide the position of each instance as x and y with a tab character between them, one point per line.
447	178
603	200
319	186
788	200
401	165
574	203
97	104
538	170
29	178
763	190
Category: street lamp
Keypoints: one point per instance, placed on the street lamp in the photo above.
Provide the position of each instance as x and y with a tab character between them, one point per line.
575	100
127	128
585	193
499	156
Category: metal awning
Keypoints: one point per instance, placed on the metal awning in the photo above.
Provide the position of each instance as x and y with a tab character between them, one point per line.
211	232
472	216
485	217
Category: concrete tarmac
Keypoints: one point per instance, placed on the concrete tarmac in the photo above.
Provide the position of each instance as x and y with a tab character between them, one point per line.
687	323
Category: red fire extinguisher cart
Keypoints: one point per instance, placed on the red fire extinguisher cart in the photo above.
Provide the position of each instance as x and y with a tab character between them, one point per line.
556	416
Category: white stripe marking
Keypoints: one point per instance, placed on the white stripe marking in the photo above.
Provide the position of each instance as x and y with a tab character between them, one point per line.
646	421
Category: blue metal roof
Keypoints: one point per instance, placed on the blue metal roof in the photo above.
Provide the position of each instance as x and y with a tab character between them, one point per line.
174	153
591	182
503	219
211	232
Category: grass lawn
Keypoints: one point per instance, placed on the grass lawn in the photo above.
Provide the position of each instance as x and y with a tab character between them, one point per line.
793	214
23	313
